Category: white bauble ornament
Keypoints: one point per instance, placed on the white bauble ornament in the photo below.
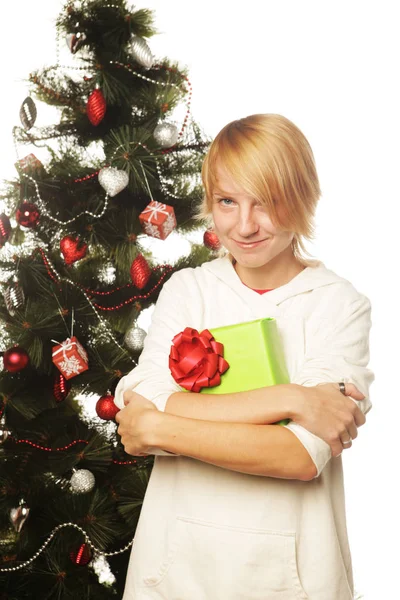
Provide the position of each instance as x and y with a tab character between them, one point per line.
166	134
113	180
82	481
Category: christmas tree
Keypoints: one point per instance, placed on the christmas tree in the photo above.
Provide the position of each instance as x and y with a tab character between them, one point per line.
118	168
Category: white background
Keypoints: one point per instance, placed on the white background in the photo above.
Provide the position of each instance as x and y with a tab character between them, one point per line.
332	68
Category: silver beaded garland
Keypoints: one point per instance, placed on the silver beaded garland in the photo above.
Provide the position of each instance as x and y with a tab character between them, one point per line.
134	338
82	481
14	297
141	52
166	134
28	113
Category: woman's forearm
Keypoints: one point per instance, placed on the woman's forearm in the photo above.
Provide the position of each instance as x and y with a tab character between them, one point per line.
266	450
260	406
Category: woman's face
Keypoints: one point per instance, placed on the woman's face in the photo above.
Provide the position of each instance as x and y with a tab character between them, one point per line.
244	228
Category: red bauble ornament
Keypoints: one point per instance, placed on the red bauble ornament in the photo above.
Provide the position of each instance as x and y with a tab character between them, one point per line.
105	407
5	229
82	555
27	214
61	387
211	240
15	359
72	249
96	107
140	271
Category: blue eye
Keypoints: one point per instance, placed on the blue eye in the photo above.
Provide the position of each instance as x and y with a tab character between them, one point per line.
225	201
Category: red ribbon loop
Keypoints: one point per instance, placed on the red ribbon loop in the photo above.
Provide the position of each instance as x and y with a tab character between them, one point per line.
196	360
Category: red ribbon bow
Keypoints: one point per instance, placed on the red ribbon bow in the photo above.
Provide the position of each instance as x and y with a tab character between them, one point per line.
196	360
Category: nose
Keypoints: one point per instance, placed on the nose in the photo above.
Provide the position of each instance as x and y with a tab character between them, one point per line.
248	223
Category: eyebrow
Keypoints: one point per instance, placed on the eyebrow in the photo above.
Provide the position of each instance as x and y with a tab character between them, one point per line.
224	193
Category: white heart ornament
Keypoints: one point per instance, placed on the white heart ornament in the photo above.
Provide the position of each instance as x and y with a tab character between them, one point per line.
113	180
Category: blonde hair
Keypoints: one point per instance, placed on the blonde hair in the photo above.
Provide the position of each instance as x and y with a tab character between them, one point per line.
270	159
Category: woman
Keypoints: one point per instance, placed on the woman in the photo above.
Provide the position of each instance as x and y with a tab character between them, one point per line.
238	508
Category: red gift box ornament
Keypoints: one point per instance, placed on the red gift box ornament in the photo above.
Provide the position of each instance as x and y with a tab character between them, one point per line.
29	163
158	219
70	358
196	360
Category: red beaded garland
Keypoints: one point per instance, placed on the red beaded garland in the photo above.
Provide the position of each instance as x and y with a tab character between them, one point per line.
167	268
96	107
27	214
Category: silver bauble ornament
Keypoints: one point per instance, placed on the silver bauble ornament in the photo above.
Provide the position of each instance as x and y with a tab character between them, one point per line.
166	134
28	113
141	52
134	338
113	180
82	481
14	296
19	515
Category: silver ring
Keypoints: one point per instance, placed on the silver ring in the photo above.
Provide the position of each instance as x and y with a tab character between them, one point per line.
347	443
342	388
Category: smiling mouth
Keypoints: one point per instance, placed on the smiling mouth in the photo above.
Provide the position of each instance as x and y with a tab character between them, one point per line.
251	244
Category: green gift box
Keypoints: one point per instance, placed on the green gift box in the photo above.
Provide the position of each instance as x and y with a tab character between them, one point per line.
255	356
235	358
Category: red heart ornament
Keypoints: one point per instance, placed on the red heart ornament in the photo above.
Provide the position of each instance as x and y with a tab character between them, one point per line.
72	249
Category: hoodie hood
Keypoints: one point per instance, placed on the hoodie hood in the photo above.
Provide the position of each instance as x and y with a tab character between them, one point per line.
314	276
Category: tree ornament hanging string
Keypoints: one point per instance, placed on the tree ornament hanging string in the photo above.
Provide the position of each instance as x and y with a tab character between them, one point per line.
51	536
53	274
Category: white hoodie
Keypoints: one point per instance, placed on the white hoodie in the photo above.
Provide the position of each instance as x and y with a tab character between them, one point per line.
207	533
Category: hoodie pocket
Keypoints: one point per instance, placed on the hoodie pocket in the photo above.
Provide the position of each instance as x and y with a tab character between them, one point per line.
208	561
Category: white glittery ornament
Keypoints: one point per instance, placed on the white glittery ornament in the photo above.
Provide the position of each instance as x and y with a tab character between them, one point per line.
82	481
107	273
102	569
134	338
113	180
141	52
166	134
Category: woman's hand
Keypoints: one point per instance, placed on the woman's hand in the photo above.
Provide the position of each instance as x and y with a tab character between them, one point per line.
331	415
136	423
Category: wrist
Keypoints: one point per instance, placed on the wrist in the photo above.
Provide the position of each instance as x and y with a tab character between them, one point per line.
296	401
155	428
